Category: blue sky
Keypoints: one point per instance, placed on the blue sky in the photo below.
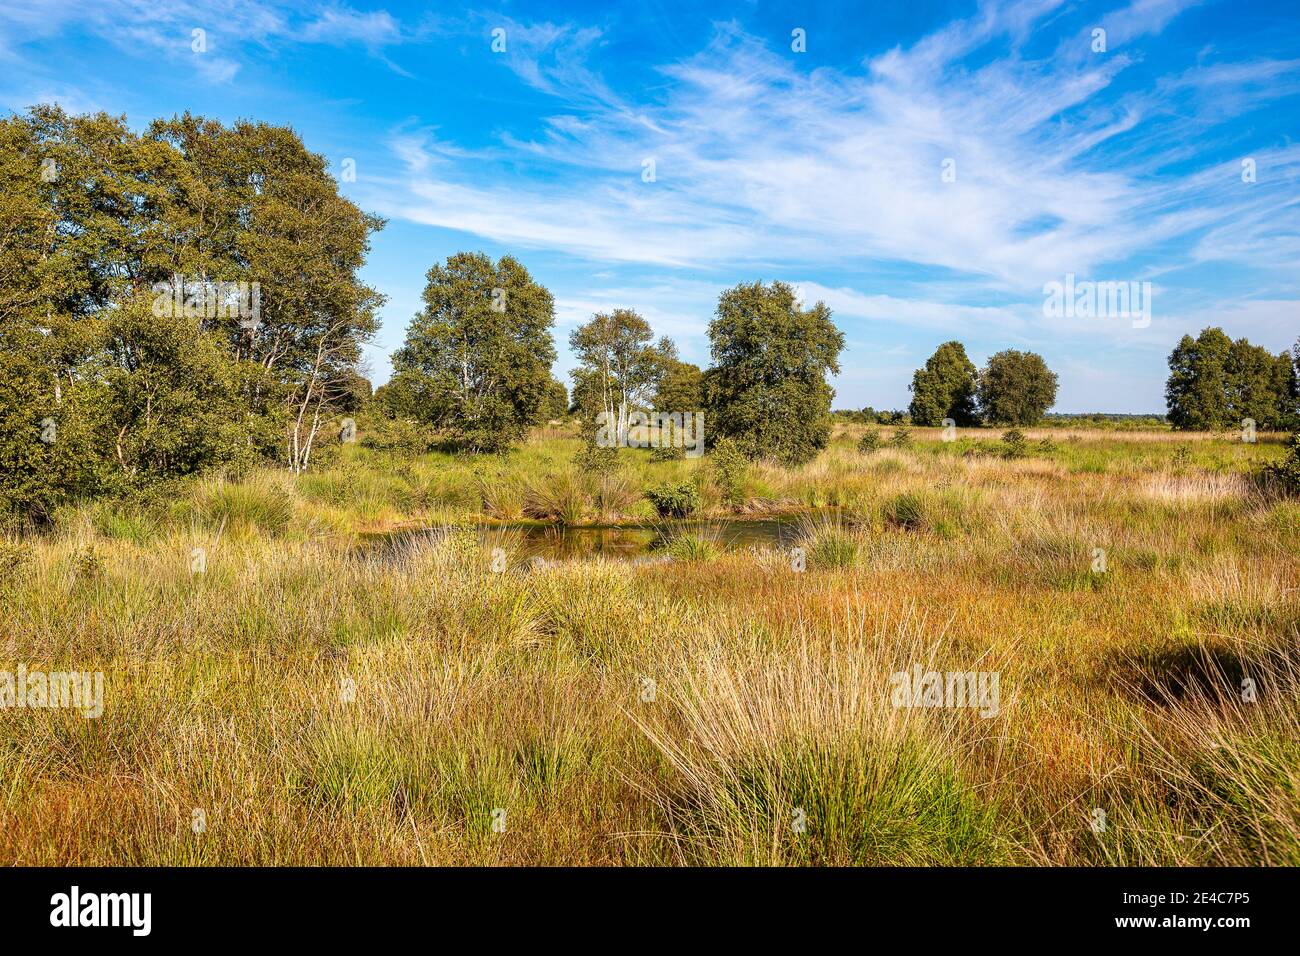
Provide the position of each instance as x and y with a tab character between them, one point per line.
822	168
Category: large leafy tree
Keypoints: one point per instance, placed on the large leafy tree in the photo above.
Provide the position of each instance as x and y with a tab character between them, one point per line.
1196	393
1016	388
257	206
767	388
92	217
1215	382
477	358
945	388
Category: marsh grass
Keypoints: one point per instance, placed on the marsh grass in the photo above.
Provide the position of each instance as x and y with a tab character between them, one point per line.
479	685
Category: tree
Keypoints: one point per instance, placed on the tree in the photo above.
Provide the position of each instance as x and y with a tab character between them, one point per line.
945	388
681	389
618	365
1216	383
256	206
1196	393
477	358
767	388
556	402
94	219
1016	388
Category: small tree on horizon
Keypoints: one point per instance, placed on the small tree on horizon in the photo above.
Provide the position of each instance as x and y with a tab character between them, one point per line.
1016	388
945	388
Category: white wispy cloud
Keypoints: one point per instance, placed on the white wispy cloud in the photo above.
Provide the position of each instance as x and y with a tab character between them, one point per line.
758	160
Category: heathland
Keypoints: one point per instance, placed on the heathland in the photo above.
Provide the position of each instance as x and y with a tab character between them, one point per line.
278	689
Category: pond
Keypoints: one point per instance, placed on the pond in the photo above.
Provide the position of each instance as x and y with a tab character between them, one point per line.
566	542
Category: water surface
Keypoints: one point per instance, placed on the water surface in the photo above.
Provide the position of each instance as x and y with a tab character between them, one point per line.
566	542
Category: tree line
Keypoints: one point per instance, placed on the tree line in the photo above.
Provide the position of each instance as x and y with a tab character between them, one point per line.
187	298
476	364
1214	383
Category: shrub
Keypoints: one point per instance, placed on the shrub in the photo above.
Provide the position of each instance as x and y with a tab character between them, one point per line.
869	442
396	435
672	500
1014	444
902	437
87	565
595	458
14	556
1285	474
730	467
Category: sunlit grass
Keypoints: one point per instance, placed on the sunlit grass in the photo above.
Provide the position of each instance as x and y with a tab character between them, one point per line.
434	701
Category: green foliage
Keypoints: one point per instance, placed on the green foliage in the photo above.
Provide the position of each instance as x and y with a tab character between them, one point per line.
618	368
1285	474
668	452
14	557
1014	444
1215	383
767	388
869	442
1016	388
595	458
402	435
555	402
97	255
477	358
902	438
945	388
674	499
681	389
729	467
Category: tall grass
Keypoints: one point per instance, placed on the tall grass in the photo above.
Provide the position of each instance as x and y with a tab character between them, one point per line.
327	701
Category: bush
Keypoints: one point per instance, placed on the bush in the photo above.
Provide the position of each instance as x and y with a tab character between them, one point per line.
593	458
869	442
730	467
14	556
1014	444
902	438
674	500
396	435
1285	474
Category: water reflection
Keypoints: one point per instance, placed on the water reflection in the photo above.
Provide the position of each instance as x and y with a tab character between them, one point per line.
566	543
